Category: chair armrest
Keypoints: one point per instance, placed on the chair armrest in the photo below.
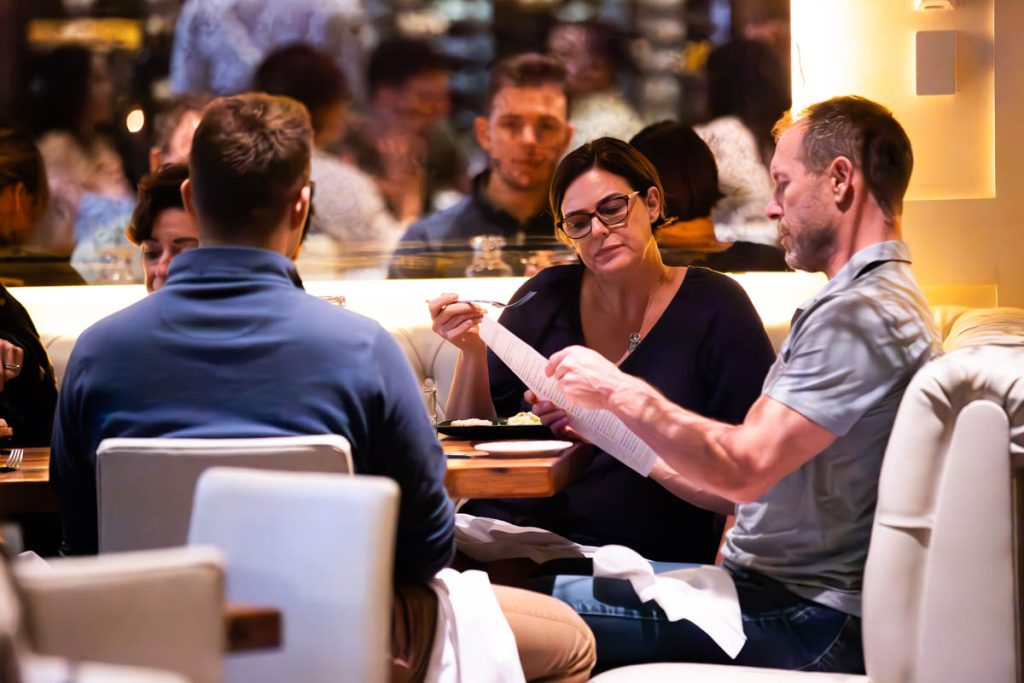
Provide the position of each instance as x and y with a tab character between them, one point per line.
162	609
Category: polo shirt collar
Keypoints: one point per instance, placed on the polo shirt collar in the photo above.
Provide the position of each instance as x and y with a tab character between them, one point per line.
232	263
537	224
863	261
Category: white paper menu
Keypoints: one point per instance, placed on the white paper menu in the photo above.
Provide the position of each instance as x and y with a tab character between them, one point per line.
599	427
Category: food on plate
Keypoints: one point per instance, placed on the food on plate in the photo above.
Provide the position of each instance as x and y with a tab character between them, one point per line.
523	418
471	422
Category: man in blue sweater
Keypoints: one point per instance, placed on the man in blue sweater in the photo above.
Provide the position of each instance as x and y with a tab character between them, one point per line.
232	346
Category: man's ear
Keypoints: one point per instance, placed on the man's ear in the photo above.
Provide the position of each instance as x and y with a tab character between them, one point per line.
187	199
482	130
840	173
300	209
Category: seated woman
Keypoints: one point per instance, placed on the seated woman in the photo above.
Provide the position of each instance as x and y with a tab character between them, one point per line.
160	224
693	333
689	175
28	390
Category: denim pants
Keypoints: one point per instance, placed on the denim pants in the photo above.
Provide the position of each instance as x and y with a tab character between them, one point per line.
783	630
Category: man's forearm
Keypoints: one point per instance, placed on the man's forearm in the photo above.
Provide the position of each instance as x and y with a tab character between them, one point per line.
690	444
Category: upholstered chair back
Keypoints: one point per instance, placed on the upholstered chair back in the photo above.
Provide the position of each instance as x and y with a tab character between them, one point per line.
942	581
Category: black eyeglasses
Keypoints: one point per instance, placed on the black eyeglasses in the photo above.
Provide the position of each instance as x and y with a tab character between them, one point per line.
612	211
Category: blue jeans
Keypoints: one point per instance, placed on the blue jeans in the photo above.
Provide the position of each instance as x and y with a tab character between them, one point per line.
783	630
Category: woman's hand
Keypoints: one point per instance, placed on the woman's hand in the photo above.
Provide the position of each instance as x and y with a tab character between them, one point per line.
457	322
552	417
13	356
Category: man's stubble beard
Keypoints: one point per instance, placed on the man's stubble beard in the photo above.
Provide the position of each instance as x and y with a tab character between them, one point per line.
811	248
511	179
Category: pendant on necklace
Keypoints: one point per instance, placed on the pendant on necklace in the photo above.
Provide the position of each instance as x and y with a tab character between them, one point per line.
634	341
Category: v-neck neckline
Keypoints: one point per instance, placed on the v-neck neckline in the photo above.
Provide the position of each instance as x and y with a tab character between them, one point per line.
578	318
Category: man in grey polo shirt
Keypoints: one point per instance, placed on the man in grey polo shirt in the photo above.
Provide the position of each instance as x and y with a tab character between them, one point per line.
803	468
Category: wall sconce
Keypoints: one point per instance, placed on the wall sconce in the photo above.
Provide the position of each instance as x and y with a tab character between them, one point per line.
936	62
936	4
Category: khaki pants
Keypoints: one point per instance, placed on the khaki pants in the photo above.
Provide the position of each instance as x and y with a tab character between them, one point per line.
553	641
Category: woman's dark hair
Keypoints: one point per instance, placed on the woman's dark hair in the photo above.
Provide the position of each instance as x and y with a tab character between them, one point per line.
158	191
303	73
685	165
747	80
59	87
607	154
21	162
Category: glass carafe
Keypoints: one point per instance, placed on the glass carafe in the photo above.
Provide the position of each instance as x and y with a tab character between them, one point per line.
487	260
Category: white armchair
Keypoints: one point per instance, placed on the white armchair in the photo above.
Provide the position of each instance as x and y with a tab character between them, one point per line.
943	582
319	547
162	610
145	486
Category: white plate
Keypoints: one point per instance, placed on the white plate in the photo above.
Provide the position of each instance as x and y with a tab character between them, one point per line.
522	447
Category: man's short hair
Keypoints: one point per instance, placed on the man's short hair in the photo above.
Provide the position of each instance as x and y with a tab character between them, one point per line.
158	191
864	132
169	116
529	70
305	74
250	156
397	60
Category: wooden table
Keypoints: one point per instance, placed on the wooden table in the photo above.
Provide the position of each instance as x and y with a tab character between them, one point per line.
486	476
28	488
248	628
479	475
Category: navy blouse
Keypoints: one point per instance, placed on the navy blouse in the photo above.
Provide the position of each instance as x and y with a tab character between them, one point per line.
708	353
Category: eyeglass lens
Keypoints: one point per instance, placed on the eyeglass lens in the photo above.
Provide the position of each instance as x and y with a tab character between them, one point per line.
611	212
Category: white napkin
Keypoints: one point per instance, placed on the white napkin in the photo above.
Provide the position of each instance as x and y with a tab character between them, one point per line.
706	595
487	540
473	641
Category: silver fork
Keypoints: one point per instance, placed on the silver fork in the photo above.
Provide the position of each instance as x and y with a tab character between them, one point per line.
497	304
14	458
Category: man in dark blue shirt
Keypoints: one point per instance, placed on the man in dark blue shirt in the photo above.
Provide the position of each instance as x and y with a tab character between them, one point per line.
524	135
233	347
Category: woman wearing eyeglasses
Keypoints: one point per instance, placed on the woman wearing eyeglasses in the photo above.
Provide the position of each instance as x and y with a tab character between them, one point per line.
692	333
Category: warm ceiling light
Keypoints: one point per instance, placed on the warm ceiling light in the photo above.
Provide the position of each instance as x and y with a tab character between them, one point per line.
135	121
935	4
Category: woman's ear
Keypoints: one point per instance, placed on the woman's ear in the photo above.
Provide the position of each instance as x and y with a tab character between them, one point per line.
653	203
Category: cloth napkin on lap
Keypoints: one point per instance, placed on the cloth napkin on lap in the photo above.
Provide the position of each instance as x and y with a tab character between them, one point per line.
706	595
473	642
488	540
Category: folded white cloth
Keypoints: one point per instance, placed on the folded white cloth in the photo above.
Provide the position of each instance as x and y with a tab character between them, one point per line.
473	641
706	595
487	540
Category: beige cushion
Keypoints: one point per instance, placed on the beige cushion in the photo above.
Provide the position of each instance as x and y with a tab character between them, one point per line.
986	326
162	609
712	673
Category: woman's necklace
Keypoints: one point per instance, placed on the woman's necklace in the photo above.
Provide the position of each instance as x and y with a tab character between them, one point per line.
634	341
634	338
